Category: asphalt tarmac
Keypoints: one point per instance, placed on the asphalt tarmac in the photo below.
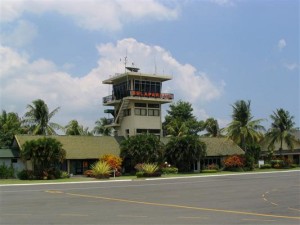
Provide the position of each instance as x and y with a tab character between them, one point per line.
264	198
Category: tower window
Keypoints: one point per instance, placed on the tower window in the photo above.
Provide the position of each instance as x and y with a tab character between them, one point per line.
138	104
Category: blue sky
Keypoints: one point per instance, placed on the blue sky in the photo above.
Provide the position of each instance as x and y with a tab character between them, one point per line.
218	52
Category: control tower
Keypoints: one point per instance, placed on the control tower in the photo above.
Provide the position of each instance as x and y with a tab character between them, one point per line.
136	101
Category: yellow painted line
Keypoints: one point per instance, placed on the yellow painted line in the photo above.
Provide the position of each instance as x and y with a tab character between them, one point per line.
259	220
54	192
184	207
274	203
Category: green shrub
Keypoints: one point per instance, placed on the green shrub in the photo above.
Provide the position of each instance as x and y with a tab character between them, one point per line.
277	163
64	174
147	170
212	166
266	166
54	174
101	169
169	170
6	171
209	171
294	165
139	174
235	169
26	175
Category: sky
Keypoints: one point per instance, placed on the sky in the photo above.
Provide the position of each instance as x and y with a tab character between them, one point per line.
217	52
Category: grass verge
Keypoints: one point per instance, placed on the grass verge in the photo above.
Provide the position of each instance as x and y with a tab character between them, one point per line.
83	179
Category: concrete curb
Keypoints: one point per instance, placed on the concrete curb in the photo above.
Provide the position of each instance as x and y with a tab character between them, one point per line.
150	179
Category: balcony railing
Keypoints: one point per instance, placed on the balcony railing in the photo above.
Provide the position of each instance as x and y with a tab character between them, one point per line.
164	96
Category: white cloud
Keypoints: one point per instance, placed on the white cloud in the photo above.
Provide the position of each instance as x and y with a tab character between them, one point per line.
281	44
23	34
223	2
23	81
291	66
93	14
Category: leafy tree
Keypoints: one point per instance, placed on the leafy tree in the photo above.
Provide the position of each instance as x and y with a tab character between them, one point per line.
101	128
282	129
45	153
183	151
181	115
38	118
243	130
144	148
212	128
73	128
10	125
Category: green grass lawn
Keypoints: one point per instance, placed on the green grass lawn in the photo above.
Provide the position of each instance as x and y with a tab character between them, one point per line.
82	178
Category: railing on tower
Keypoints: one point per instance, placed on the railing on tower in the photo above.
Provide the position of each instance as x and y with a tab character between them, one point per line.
145	94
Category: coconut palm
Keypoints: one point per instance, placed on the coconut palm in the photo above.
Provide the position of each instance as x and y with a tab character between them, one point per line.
243	130
212	128
282	129
10	125
38	118
101	127
183	151
73	128
177	128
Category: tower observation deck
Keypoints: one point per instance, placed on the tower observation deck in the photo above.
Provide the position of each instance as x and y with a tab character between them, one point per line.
136	101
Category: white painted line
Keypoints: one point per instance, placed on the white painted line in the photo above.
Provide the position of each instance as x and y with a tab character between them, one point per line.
221	175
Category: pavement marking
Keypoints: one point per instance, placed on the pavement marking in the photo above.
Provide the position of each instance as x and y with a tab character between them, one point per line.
294	209
54	192
273	203
73	214
16	214
132	216
193	217
259	220
183	206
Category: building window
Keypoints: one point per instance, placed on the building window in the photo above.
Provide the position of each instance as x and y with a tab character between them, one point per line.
137	112
14	160
127	112
140	112
155	106
153	112
141	105
154	131
141	131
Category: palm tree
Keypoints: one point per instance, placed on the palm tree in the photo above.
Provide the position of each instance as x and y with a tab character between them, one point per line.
44	153
183	151
101	127
282	129
38	118
144	148
10	125
212	128
243	130
73	128
177	128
